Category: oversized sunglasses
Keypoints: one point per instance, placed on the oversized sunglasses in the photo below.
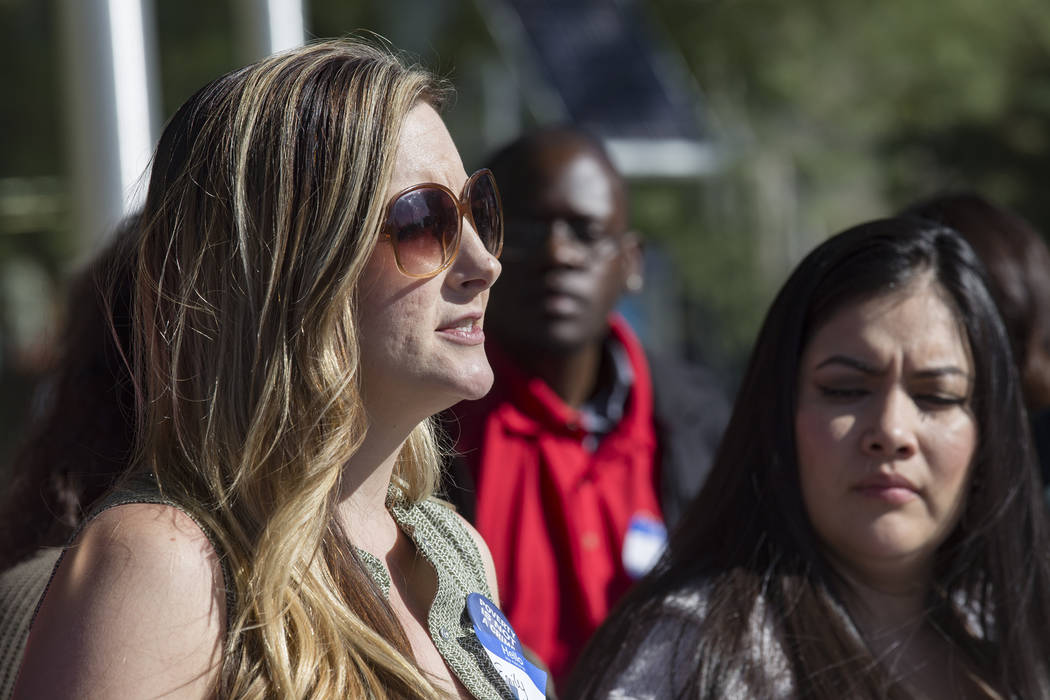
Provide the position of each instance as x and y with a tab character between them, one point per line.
425	221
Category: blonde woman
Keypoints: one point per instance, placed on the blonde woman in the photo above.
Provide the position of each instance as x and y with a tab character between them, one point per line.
311	281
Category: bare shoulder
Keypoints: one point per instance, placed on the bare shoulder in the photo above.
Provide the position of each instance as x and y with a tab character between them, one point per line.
136	607
486	556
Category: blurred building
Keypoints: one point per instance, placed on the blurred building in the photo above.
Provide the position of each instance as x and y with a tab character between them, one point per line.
599	64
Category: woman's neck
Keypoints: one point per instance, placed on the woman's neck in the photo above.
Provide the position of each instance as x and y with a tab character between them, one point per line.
884	598
887	604
892	613
366	478
881	610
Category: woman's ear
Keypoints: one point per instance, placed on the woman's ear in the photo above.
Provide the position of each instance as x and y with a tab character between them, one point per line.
632	254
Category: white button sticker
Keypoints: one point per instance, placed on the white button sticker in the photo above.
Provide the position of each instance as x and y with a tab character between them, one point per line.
643	544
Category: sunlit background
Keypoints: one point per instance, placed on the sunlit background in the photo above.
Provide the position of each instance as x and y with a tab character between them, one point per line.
749	129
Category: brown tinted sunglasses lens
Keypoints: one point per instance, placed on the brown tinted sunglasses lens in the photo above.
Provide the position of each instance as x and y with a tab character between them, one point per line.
486	212
424	224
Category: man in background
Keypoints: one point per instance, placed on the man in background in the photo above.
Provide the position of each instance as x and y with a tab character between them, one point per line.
586	449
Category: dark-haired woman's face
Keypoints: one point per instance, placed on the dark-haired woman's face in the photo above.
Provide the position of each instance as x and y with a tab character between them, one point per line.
885	433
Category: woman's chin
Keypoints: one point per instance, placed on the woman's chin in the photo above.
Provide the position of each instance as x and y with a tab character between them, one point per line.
477	385
471	382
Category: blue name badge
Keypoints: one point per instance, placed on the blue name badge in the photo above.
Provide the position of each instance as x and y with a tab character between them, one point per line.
501	643
643	544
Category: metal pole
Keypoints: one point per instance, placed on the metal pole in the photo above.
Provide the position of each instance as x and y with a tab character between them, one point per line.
110	73
268	26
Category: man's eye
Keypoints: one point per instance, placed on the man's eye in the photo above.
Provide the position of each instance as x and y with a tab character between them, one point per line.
587	230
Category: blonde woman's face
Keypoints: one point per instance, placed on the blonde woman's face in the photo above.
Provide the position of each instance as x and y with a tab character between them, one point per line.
885	434
422	340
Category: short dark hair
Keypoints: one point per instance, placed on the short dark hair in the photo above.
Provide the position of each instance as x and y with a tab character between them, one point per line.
512	161
748	530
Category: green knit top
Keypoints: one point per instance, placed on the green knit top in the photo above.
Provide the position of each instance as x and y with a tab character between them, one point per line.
439	537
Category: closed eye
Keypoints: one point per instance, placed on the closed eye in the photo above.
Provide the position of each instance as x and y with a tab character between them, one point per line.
940	400
833	392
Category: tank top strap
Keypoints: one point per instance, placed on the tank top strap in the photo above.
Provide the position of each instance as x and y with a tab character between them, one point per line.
143	488
441	538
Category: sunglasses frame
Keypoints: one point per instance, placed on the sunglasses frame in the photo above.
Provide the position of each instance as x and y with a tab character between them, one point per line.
462	203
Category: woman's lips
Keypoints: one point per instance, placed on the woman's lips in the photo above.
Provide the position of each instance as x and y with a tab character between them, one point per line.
890	494
465	331
890	488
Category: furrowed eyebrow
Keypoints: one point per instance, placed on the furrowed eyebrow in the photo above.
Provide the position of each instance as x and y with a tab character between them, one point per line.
851	362
929	373
950	370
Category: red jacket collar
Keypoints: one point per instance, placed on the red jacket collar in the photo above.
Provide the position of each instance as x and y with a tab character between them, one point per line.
526	404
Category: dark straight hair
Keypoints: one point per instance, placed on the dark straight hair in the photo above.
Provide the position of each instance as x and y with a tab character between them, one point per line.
1017	261
83	438
748	533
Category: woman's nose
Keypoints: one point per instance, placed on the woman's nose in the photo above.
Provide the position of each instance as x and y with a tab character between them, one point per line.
474	267
891	432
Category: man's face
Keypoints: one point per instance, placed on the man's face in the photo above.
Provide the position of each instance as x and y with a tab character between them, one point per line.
566	253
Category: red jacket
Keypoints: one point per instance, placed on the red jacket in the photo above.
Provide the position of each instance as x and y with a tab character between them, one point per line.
554	513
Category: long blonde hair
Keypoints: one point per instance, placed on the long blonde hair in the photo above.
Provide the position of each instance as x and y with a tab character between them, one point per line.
264	205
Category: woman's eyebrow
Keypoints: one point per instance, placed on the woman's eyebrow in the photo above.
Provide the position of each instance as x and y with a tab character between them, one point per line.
861	366
934	372
851	362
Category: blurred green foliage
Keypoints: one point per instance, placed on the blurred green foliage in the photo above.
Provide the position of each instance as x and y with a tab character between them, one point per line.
830	112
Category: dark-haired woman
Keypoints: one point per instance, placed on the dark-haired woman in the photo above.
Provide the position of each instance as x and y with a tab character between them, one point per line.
872	525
